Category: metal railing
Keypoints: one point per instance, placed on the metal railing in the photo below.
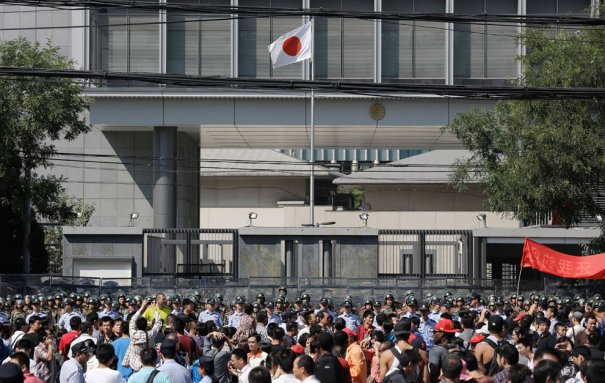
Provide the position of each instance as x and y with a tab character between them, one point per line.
335	288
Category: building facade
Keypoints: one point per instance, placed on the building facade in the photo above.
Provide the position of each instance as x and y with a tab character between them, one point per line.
156	135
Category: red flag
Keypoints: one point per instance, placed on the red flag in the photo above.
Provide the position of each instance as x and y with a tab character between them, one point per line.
549	261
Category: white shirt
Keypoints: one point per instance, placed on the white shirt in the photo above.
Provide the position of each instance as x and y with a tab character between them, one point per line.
286	378
311	379
103	375
243	378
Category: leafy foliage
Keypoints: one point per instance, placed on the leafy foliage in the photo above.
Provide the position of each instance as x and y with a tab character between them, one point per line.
538	156
34	112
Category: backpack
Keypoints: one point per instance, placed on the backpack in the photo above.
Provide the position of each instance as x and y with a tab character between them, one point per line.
493	367
328	369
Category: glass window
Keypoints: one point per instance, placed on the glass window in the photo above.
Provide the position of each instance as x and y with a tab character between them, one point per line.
344	48
198	44
125	40
484	53
255	35
413	50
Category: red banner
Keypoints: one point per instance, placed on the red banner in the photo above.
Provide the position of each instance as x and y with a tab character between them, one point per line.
547	260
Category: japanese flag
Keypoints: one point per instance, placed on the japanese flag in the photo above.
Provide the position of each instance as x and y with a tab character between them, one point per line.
293	46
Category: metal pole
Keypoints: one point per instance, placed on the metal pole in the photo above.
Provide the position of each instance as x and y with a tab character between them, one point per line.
312	159
312	138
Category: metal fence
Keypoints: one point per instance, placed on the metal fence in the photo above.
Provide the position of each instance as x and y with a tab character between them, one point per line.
335	288
424	253
185	252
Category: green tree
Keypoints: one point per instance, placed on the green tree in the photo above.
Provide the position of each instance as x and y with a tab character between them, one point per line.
538	156
34	112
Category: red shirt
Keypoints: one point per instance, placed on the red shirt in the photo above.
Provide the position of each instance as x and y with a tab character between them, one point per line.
364	332
187	345
30	378
65	341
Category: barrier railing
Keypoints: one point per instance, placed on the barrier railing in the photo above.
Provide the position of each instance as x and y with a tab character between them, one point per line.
335	288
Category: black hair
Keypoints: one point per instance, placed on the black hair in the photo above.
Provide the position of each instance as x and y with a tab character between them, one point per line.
509	353
259	375
339	324
22	359
518	373
125	327
539	354
325	341
595	372
285	360
278	333
306	363
380	319
470	359
302	340
546	369
149	356
75	322
106	319
255	336
581	350
33	319
26	345
452	367
409	358
261	317
179	325
92	317
141	324
248	309
239	353
367	313
341	339
105	353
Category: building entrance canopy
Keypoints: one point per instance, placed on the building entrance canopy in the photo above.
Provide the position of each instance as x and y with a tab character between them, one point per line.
257	120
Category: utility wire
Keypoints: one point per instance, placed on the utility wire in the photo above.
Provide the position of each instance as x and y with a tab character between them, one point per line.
313	12
464	91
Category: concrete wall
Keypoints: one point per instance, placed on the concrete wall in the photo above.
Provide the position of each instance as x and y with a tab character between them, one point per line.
102	245
250	192
122	183
423	198
294	216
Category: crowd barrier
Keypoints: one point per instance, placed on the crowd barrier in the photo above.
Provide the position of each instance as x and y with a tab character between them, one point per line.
335	288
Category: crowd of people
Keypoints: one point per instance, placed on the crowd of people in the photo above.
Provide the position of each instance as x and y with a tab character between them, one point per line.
471	339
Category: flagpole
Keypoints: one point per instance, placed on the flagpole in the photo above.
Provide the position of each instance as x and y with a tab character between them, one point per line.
312	138
520	271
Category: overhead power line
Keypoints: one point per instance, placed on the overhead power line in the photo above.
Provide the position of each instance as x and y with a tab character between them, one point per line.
148	5
364	88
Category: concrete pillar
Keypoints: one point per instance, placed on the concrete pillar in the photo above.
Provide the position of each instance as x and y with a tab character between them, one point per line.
164	176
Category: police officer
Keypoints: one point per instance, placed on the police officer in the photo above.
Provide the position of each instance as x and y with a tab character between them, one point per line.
211	313
236	316
67	315
271	314
351	319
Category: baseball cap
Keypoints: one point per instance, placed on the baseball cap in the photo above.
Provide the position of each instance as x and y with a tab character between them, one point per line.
446	325
298	349
350	332
478	338
495	324
81	347
519	316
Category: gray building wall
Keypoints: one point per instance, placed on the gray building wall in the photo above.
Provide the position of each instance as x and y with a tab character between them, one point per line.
352	256
102	245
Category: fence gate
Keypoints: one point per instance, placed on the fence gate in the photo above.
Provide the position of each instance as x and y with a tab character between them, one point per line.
425	253
190	252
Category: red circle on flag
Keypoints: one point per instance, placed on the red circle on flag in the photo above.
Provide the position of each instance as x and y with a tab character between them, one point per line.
292	46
